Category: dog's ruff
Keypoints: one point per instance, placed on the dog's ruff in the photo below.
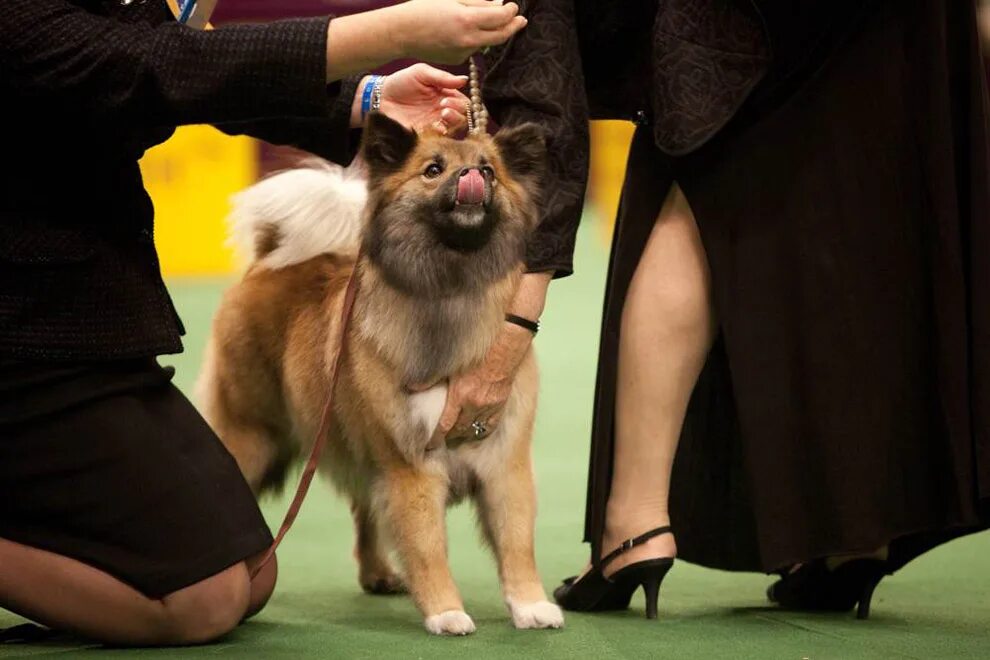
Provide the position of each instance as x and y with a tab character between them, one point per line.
430	304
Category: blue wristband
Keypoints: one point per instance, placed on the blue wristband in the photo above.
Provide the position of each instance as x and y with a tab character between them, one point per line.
369	87
186	9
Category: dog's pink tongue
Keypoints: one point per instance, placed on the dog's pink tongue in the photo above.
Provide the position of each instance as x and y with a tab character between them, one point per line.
471	188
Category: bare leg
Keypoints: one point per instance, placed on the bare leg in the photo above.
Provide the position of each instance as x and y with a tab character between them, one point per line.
66	594
375	572
667	331
262	584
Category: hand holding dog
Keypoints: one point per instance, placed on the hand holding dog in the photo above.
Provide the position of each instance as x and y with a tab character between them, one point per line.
481	394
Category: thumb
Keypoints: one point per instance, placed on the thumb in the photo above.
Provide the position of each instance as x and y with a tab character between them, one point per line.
441	79
451	411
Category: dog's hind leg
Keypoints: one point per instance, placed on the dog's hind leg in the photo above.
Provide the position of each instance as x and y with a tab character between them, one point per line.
506	499
375	571
261	459
414	503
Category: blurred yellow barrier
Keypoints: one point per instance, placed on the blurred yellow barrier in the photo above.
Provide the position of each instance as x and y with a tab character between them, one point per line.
190	179
192	176
609	149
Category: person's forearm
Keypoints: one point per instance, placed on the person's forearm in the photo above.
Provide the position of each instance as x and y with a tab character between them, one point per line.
513	342
531	296
360	42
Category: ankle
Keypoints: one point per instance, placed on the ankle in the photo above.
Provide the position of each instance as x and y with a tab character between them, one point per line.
656	547
625	522
836	561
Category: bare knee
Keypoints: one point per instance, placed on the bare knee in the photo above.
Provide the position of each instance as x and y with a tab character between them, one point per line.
670	293
208	609
262	587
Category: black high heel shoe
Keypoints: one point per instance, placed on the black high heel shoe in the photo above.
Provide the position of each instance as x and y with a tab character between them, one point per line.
816	588
596	593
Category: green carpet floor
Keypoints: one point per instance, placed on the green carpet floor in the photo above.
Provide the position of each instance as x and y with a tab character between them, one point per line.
938	607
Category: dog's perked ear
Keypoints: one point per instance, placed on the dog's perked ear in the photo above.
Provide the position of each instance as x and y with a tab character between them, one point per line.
386	145
523	149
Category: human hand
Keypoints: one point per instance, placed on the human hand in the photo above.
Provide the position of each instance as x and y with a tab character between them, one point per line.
448	31
480	395
419	97
422	96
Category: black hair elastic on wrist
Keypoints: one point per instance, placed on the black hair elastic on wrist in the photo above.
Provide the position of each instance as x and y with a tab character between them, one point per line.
532	326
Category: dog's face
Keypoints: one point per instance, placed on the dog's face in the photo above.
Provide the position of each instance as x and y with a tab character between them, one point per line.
449	216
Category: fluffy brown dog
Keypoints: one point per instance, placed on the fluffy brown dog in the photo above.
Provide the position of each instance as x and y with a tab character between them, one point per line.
443	227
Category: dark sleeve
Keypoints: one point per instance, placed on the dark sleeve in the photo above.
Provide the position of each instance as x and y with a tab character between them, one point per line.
115	75
537	77
330	137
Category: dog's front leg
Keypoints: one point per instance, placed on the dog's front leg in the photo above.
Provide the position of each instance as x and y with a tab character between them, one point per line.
414	505
506	503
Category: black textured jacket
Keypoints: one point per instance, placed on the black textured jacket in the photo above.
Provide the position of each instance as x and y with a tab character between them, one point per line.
89	85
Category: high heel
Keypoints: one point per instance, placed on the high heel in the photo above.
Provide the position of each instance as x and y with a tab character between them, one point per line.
814	587
863	609
651	589
594	592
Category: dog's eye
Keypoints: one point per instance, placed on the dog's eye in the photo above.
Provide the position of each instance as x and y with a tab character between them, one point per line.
433	170
487	172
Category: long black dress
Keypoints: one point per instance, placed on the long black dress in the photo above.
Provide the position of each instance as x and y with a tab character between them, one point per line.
835	154
846	216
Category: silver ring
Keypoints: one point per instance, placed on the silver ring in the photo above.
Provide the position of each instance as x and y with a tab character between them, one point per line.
480	428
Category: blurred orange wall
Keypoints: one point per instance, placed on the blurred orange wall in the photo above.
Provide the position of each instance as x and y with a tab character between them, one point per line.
192	176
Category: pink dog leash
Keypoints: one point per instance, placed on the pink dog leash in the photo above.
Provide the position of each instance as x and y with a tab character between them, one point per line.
320	441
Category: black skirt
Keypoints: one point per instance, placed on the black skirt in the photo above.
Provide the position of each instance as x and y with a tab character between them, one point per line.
846	219
111	465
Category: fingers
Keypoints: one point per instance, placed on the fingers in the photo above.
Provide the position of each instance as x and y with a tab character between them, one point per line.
487	417
462	426
503	34
494	420
453	112
451	411
434	77
450	115
492	17
455	103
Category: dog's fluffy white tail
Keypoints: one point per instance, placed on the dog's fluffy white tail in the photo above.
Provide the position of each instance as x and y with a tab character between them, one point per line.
298	214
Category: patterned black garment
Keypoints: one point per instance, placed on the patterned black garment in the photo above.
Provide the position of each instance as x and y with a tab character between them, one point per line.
537	77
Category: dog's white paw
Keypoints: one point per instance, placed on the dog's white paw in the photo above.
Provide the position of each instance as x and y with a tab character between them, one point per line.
451	622
541	614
